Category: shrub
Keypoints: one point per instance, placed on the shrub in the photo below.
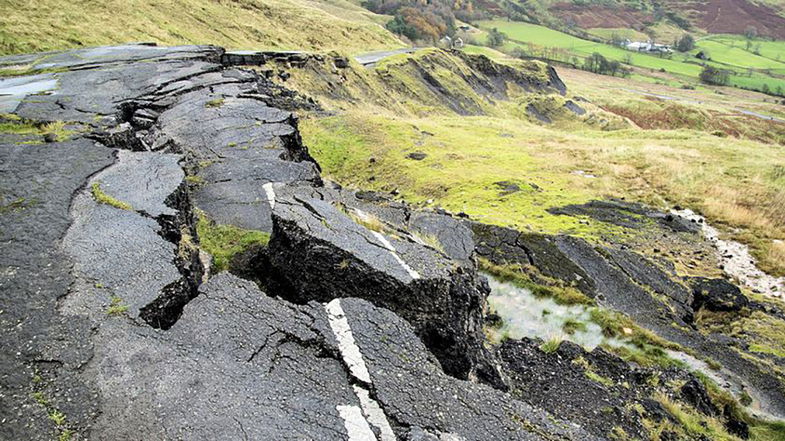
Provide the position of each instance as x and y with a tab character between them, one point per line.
712	75
496	38
685	43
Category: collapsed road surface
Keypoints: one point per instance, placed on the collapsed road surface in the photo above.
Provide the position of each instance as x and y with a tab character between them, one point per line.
114	324
338	314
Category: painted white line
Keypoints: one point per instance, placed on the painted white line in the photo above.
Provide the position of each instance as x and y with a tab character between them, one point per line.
355	419
270	192
356	425
346	344
375	414
412	273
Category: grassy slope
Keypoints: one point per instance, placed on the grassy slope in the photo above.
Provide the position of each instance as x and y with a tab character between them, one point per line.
734	181
248	24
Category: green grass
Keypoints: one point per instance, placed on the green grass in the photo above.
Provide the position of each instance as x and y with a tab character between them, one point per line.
12	124
737	55
539	285
550	346
773	50
572	326
535	39
249	24
102	198
223	242
767	431
766	333
467	156
694	423
607	382
218	102
116	307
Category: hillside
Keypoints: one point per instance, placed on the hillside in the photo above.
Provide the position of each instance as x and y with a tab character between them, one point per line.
240	24
713	16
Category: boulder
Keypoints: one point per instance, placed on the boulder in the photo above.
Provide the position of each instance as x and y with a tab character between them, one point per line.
717	295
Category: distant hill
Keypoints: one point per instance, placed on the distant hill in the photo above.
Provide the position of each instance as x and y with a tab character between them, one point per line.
714	16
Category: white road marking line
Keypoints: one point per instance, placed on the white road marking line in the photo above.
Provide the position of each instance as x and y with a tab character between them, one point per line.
375	414
356	425
355	419
270	192
346	344
412	273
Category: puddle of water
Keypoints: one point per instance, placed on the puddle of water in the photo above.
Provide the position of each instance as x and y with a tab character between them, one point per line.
737	261
526	315
13	90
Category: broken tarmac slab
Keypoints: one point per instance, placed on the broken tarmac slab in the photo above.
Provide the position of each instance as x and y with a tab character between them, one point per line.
286	371
321	249
119	221
277	368
234	144
35	194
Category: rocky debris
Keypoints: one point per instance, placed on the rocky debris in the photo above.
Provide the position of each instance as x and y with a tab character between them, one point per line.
323	249
501	72
566	382
694	393
632	284
628	215
417	156
717	295
574	108
606	395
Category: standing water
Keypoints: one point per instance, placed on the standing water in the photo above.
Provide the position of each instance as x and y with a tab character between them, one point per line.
526	315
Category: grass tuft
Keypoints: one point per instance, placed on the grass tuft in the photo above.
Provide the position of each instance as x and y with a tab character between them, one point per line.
223	242
102	198
218	102
116	307
551	345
